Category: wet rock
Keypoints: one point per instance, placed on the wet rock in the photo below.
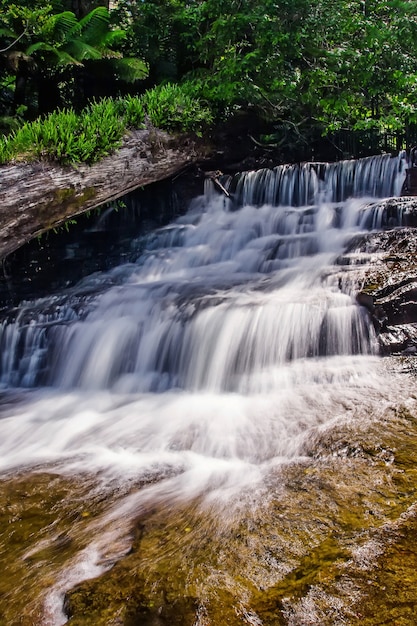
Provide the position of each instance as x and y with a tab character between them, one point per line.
400	338
366	300
383	265
338	517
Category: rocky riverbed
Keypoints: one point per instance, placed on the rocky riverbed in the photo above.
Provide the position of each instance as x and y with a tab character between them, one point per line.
329	540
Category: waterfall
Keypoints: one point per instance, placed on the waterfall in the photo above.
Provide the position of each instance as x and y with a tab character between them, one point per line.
204	399
223	300
216	297
310	183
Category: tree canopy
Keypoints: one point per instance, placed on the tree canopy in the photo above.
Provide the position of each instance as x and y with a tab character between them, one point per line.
333	63
341	63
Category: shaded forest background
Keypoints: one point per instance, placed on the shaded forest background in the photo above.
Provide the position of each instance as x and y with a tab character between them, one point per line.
284	73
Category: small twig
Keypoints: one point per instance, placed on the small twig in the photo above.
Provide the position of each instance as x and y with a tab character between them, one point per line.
220	186
15	41
214	176
266	146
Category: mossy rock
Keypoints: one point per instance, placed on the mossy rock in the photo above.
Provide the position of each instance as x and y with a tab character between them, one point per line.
294	545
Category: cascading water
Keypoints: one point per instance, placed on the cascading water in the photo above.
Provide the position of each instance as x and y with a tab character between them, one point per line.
211	359
216	296
300	185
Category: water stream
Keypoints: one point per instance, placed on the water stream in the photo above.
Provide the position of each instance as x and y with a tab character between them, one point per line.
209	362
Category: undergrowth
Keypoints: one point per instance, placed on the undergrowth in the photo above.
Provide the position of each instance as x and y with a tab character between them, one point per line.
172	108
68	137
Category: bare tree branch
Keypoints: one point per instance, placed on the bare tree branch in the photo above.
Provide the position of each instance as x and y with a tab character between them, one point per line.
15	41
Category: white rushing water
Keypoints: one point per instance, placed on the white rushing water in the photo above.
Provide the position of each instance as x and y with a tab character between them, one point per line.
214	354
210	361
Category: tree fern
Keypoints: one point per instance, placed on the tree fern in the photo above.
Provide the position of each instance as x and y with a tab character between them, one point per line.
61	26
95	26
63	42
61	57
130	70
83	51
7	33
113	38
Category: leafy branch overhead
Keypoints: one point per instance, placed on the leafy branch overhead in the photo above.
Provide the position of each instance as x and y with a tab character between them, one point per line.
338	63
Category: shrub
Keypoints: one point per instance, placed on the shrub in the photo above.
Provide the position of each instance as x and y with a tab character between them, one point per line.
67	137
132	110
172	108
102	128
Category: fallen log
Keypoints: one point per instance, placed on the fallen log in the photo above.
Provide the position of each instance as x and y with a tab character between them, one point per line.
35	197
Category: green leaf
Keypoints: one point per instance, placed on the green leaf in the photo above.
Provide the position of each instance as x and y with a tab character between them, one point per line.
130	70
95	25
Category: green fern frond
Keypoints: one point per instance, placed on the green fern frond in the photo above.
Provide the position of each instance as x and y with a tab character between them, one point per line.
113	38
40	46
82	51
61	26
7	33
62	57
130	69
95	26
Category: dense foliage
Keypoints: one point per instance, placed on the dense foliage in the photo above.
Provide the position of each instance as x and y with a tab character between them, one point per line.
51	59
339	63
91	134
331	64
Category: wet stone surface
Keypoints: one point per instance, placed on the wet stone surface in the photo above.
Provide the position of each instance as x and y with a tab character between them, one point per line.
381	268
329	539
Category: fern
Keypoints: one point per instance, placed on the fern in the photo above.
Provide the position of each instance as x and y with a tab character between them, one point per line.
62	26
62	57
82	51
95	25
67	137
6	32
130	69
172	107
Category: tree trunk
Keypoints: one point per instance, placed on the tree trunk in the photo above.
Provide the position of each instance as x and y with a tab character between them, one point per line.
37	197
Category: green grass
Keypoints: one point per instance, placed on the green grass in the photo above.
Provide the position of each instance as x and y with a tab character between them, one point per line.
67	137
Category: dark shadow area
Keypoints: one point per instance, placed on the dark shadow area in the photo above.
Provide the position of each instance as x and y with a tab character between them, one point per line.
95	241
